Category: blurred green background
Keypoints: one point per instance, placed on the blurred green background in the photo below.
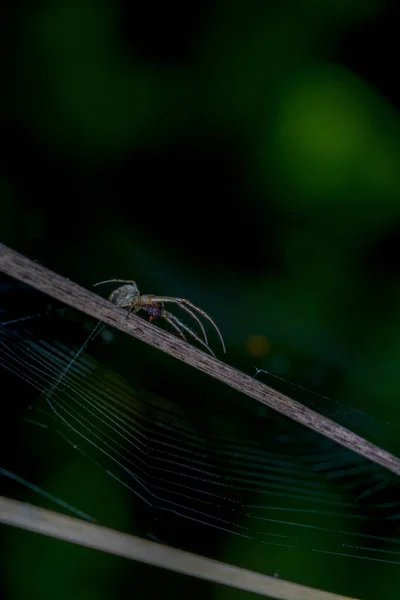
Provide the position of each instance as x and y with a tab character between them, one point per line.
243	155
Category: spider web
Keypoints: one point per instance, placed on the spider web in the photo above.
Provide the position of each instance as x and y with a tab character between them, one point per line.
198	477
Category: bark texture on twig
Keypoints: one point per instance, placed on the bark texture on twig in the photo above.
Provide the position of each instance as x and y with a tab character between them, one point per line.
14	264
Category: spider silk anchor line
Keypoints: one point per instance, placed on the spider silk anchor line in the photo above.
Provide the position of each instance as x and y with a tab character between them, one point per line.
16	265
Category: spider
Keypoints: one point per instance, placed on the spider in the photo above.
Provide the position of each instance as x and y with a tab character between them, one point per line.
128	296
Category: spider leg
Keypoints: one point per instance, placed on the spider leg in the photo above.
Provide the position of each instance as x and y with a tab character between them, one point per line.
192	314
202	312
132	305
178	323
173	324
114	281
182	302
196	319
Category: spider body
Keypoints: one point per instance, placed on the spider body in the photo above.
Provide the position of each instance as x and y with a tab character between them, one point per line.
128	296
124	296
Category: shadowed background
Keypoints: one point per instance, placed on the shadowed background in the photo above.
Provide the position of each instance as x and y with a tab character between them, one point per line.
243	155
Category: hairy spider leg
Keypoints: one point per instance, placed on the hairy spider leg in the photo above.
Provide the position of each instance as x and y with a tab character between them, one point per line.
176	324
167	315
191	313
198	321
133	304
131	311
115	281
181	302
171	322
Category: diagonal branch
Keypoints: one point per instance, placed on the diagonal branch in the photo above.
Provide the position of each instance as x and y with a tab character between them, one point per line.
80	532
14	264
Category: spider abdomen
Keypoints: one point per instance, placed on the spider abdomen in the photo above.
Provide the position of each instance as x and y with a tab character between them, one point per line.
125	295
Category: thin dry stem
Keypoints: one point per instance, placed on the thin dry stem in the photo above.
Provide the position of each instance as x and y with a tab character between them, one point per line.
77	531
14	264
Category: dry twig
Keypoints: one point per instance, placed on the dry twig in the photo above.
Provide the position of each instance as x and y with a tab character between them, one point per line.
101	538
14	264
